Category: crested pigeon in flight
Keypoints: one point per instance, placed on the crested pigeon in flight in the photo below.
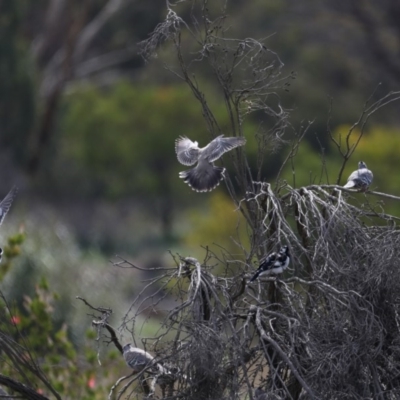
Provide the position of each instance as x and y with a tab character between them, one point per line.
204	177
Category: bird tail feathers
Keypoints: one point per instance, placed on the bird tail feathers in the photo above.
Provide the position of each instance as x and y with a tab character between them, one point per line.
255	276
349	184
203	179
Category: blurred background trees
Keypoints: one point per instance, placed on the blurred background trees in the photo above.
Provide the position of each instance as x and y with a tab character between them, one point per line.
87	131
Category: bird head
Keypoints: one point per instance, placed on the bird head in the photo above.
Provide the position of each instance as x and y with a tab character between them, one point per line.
361	165
284	250
127	347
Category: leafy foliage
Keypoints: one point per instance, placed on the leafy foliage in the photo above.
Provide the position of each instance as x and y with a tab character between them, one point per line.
31	343
133	129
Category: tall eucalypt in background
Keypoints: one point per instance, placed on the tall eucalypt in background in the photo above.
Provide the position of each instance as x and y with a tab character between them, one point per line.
204	177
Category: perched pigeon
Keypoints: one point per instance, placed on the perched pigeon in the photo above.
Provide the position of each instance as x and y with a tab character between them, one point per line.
274	263
205	176
5	206
360	179
139	359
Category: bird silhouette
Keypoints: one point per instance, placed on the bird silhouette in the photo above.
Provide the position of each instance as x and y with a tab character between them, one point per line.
5	205
360	179
204	177
139	359
274	263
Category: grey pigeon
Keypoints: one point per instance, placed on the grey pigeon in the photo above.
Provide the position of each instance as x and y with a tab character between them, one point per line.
274	263
139	359
360	179
5	205
204	177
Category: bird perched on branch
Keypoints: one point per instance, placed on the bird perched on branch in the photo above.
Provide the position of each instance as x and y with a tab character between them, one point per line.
138	359
360	179
274	263
5	205
204	177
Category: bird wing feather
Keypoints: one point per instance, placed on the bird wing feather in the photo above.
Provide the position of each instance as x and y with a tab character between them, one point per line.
137	358
268	261
186	151
353	176
366	176
6	203
221	145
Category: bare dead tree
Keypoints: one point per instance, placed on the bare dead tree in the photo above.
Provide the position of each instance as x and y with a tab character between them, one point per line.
347	145
328	329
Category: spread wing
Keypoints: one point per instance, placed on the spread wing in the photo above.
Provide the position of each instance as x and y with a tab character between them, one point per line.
221	145
186	151
6	203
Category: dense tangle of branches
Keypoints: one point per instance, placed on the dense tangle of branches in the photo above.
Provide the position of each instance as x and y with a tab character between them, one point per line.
329	328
